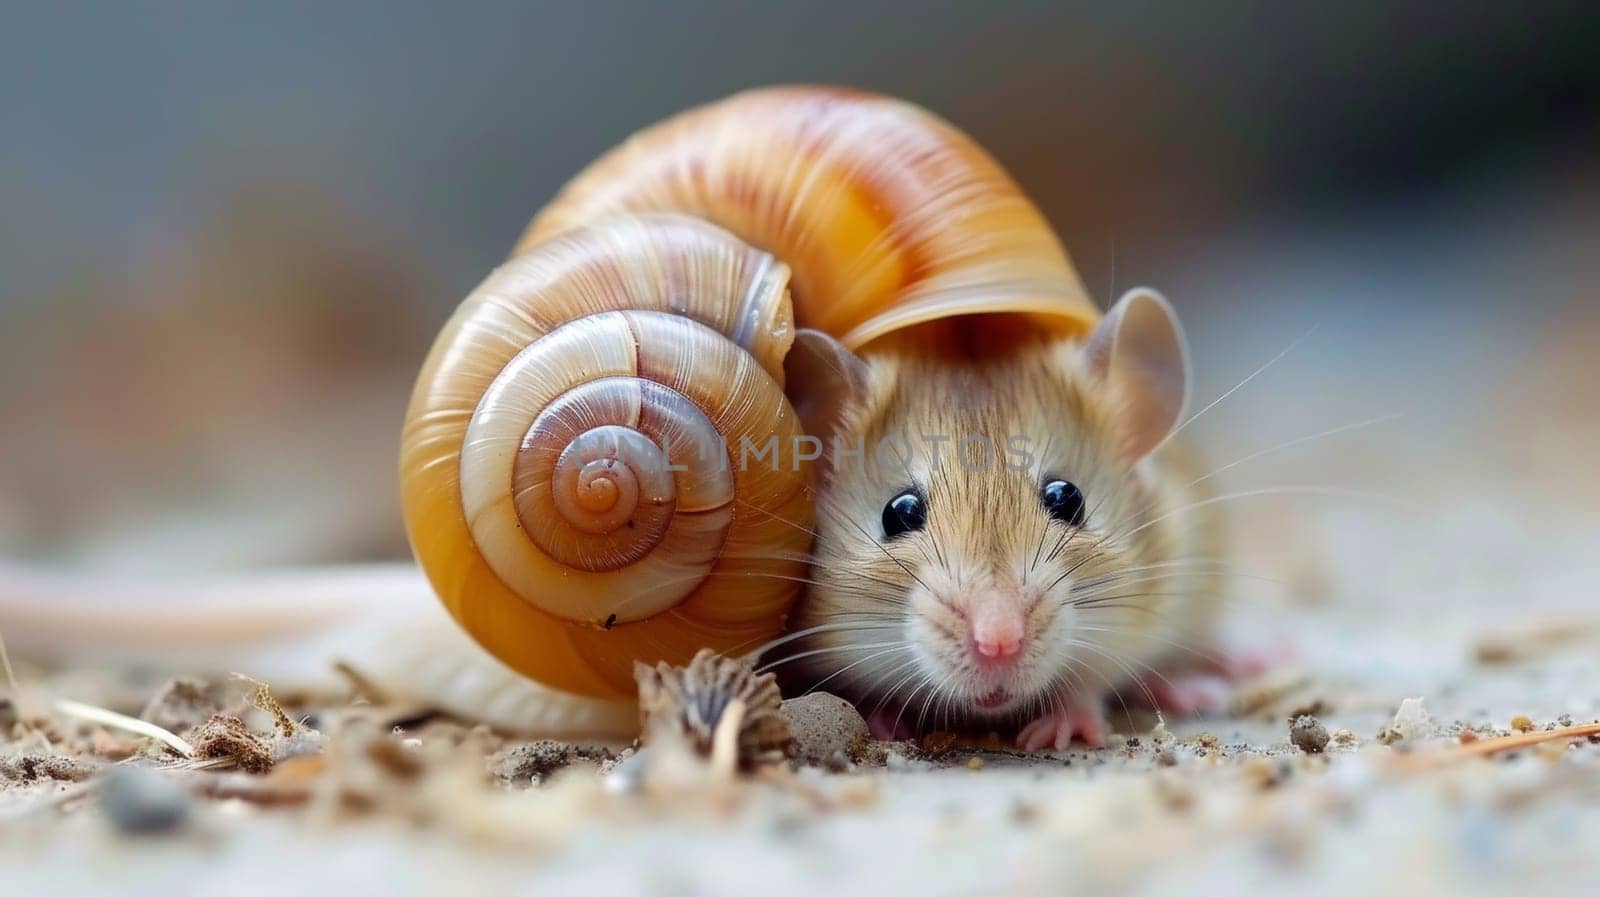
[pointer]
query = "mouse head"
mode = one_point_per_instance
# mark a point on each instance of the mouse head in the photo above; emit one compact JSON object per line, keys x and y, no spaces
{"x":977,"y":520}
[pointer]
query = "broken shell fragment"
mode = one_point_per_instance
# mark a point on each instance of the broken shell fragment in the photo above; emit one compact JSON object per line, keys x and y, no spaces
{"x":718,"y":707}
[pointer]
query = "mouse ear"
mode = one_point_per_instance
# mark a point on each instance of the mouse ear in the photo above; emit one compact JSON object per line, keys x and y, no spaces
{"x":1138,"y":352}
{"x":822,"y":379}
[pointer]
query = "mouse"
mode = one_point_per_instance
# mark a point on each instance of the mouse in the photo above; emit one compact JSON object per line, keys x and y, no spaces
{"x":1009,"y":539}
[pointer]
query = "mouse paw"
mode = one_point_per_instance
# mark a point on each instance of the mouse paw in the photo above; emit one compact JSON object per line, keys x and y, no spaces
{"x":1056,"y":729}
{"x":1239,"y":664}
{"x":1184,"y":694}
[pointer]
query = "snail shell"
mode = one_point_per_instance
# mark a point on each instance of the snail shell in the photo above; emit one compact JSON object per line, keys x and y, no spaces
{"x":572,"y":469}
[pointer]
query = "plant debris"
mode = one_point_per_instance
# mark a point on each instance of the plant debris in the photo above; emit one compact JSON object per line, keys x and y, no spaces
{"x":224,"y":736}
{"x":116,"y":720}
{"x":263,"y":700}
{"x":1270,"y":694}
{"x":717,"y":706}
{"x":1532,"y":641}
{"x":1484,"y":747}
{"x":30,"y":768}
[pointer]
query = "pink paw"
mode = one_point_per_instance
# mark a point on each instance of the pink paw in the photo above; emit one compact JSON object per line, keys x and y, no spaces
{"x":1205,"y":687}
{"x":1184,"y":694}
{"x":887,"y":725}
{"x":1241,"y":664}
{"x":1056,"y":729}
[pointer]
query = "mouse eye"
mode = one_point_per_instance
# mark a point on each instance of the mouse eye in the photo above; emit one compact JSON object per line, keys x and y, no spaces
{"x":904,"y":513}
{"x":1063,"y":501}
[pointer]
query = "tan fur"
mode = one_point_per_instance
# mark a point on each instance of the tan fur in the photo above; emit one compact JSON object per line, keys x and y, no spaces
{"x":907,"y":600}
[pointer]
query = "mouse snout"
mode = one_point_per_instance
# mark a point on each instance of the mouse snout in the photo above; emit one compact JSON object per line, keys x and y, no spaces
{"x":997,"y":631}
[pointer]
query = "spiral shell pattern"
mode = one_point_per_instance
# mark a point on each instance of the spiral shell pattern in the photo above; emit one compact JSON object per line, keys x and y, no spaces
{"x":568,"y":467}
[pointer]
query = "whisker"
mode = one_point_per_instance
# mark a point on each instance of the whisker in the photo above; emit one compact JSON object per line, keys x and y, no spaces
{"x":1107,"y":600}
{"x":778,"y":517}
{"x":1282,"y":446}
{"x":1323,"y":491}
{"x":764,"y":668}
{"x":886,"y":552}
{"x":842,"y":626}
{"x":1044,"y":531}
{"x":846,"y":669}
{"x":926,"y":681}
{"x":912,"y":663}
{"x":1238,"y":386}
{"x":1110,"y":687}
{"x":932,"y":540}
{"x":1094,"y":587}
{"x":1133,"y":676}
{"x":1205,"y":655}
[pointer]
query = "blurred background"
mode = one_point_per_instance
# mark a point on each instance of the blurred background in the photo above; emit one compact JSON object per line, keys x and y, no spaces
{"x":230,"y":233}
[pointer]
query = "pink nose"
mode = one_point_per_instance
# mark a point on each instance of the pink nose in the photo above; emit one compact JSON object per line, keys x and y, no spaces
{"x":998,"y":649}
{"x":997,"y":632}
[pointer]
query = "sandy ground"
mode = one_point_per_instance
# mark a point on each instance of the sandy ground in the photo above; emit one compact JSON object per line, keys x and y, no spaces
{"x":1223,"y":804}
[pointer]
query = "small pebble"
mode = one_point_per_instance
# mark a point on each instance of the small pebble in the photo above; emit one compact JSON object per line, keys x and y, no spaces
{"x":142,"y":801}
{"x":1411,"y":723}
{"x":823,"y":726}
{"x":1308,"y":734}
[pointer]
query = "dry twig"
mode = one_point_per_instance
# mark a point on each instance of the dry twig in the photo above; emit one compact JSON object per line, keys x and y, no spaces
{"x":126,"y":723}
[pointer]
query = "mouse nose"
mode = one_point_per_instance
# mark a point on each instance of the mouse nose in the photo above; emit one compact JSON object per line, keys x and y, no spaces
{"x":997,"y":649}
{"x":997,"y":633}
